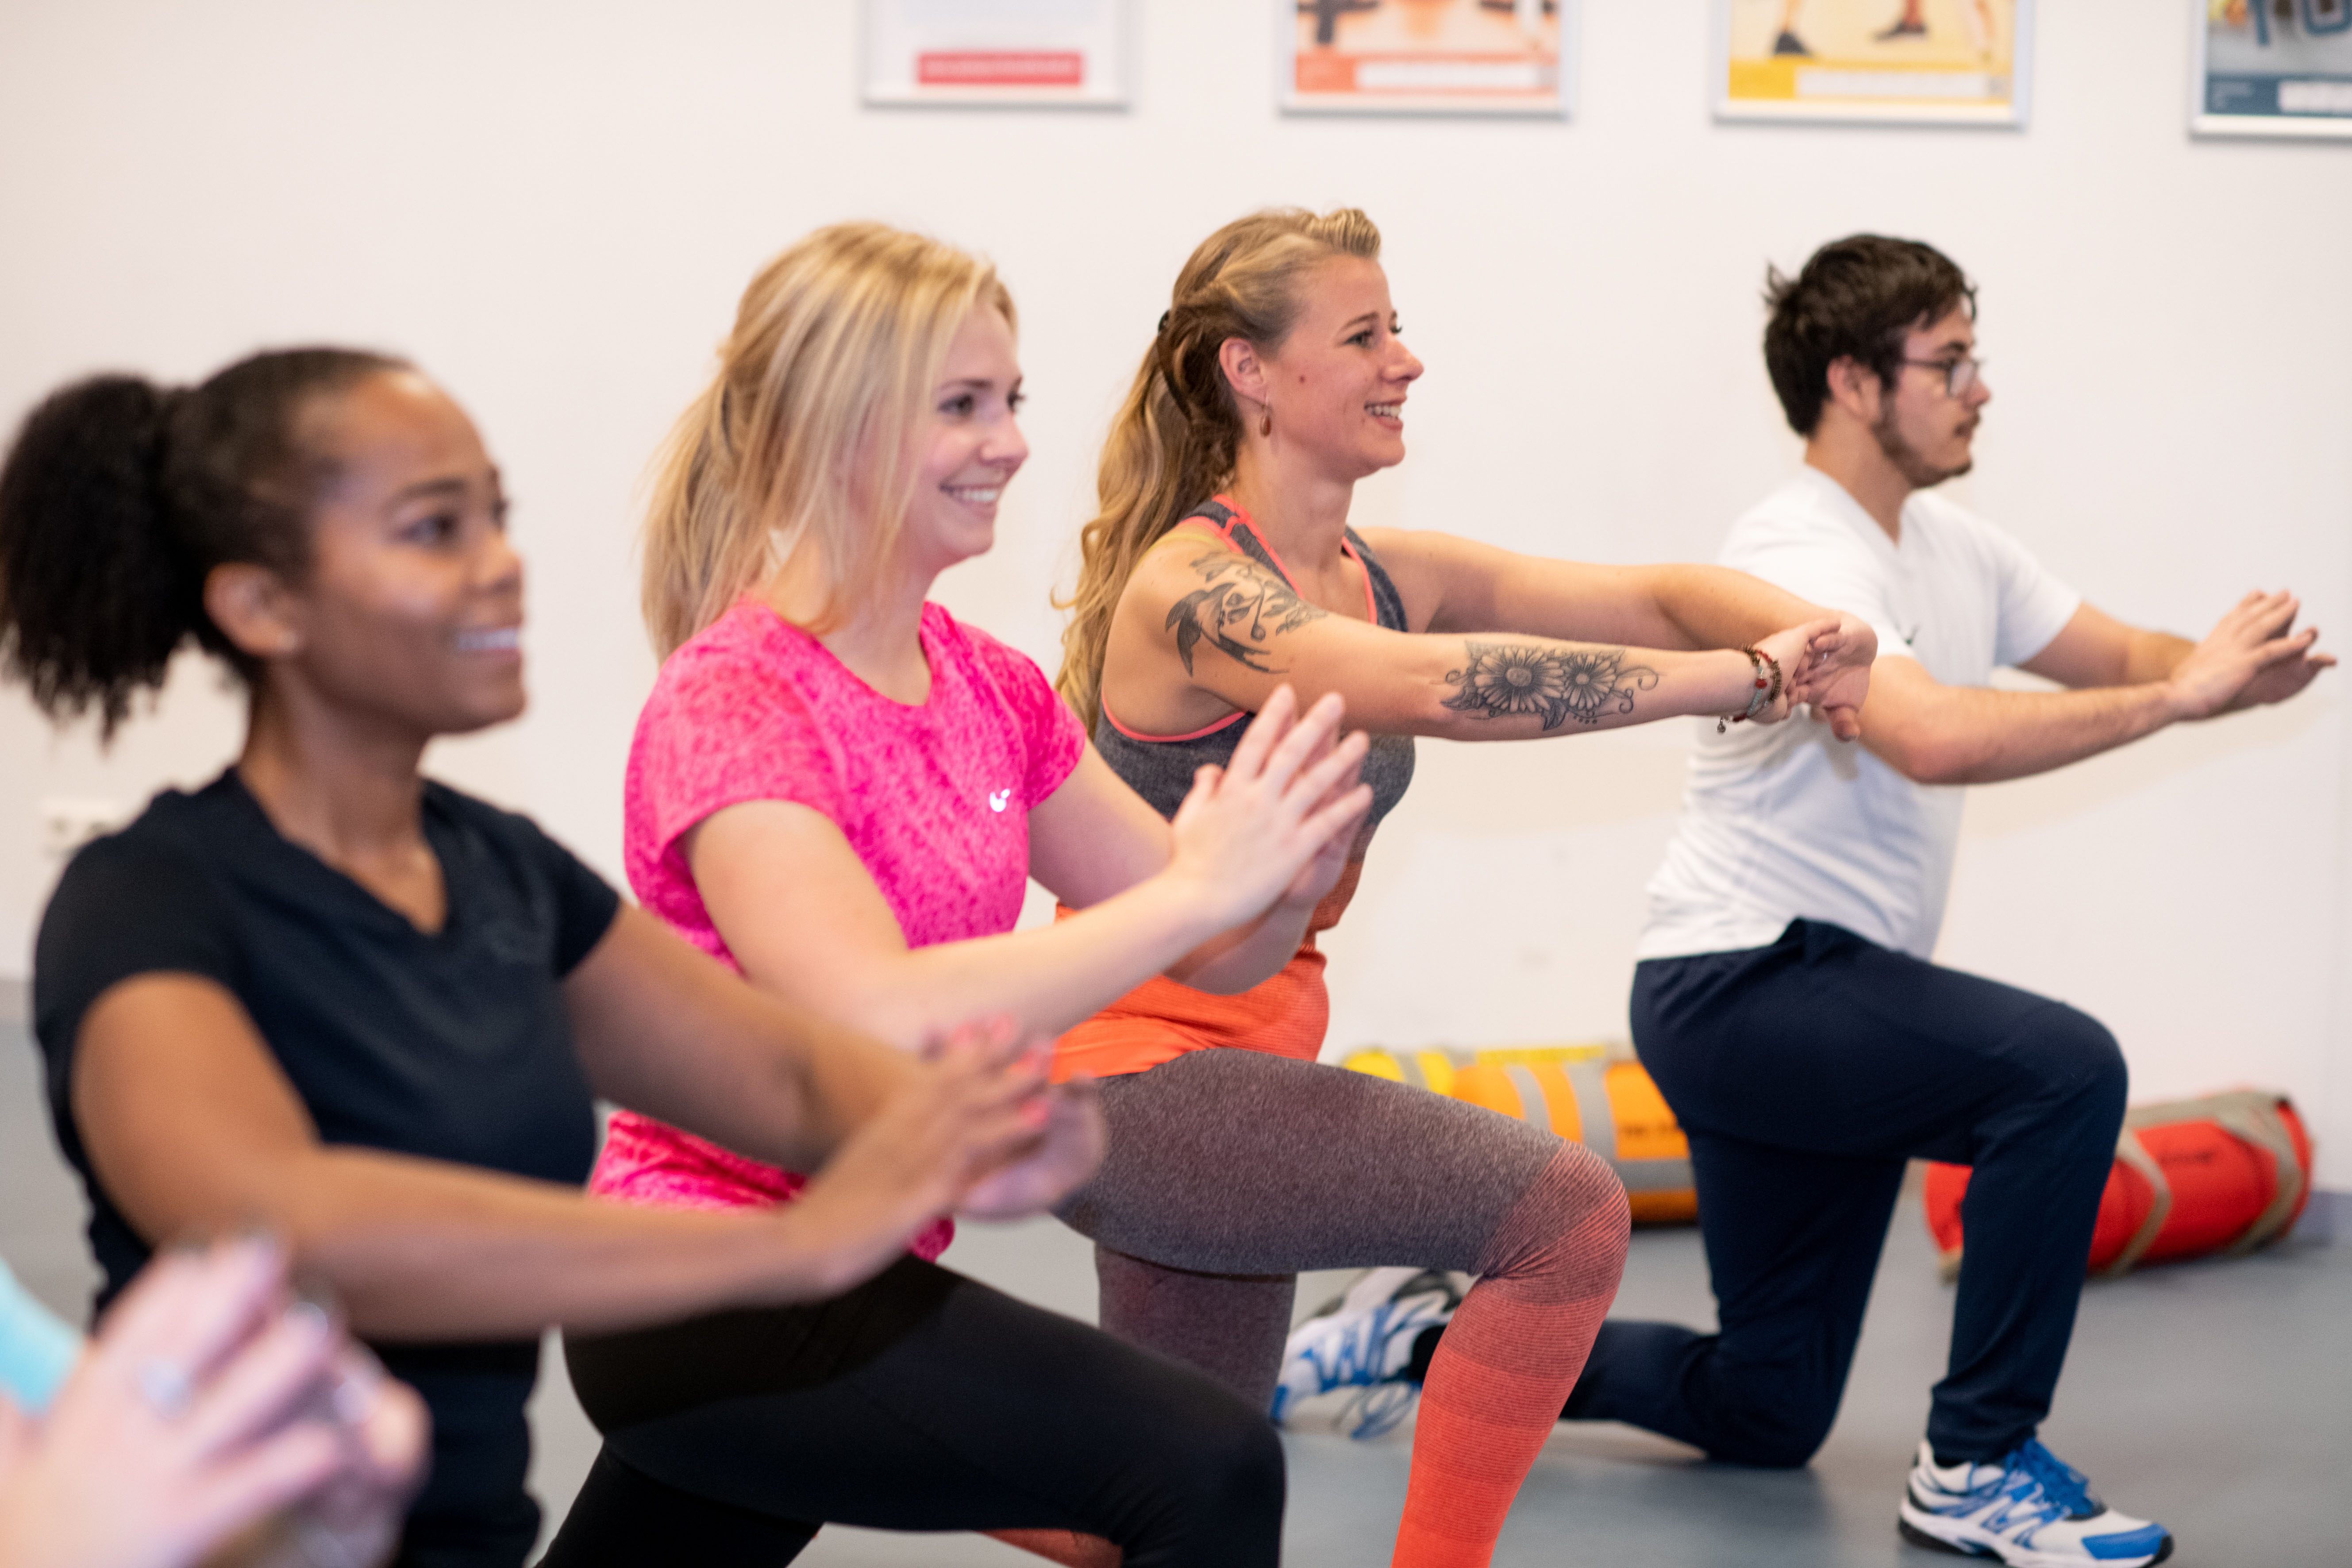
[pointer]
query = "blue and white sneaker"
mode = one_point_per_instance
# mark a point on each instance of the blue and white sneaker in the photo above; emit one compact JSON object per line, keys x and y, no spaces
{"x":1364,"y":1339}
{"x":2029,"y":1510}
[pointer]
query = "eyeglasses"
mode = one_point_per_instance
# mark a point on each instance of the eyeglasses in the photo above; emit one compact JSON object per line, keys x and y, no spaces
{"x":1959,"y":374}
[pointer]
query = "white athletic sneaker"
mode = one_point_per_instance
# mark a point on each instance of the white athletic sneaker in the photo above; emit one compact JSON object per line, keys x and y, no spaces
{"x":2029,"y":1510}
{"x":1364,"y":1339}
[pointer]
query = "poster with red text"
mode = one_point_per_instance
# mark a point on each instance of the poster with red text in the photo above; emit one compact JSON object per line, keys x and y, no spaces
{"x":1448,"y":56}
{"x":997,"y":51}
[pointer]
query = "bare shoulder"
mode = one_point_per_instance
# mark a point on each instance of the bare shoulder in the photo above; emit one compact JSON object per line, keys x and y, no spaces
{"x":1173,"y":567}
{"x":1409,"y":546}
{"x":1424,"y":564}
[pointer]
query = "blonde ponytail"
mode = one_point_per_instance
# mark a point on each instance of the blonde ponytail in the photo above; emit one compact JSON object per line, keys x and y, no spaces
{"x":1174,"y":439}
{"x":805,"y":439}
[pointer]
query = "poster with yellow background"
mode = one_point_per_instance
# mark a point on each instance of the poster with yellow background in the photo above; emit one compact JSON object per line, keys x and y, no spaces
{"x":1961,"y":61}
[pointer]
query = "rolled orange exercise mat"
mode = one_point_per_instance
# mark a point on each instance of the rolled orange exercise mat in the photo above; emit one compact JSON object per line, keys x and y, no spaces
{"x":2228,"y":1172}
{"x":1587,"y":1094}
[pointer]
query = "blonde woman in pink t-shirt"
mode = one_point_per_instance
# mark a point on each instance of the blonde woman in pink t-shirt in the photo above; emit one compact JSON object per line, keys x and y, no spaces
{"x":842,"y":791}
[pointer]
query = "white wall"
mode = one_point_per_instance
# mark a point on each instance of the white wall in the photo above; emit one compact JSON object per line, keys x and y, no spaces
{"x":553,"y":207}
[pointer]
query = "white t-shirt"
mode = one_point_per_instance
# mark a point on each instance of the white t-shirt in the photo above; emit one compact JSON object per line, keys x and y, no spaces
{"x":1785,"y":821}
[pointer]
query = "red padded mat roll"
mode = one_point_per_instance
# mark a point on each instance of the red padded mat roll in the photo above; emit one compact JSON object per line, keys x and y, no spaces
{"x":2228,"y":1172}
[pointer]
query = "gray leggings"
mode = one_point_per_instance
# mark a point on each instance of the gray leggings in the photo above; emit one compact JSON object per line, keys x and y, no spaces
{"x":1229,"y":1171}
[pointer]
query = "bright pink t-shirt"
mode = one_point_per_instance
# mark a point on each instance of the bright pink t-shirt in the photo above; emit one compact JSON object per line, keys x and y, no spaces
{"x":934,"y":799}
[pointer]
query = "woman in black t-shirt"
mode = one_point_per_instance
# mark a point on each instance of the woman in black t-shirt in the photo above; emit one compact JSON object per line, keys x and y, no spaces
{"x":326,"y":994}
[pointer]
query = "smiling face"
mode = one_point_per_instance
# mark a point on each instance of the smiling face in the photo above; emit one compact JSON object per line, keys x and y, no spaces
{"x":970,"y":446}
{"x":410,"y":612}
{"x":1923,"y":429}
{"x":1335,"y":387}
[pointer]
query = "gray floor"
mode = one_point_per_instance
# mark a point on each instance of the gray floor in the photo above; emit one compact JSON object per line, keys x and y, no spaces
{"x":2216,"y":1397}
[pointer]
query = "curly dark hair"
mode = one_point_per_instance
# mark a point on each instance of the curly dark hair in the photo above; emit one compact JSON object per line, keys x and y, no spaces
{"x":119,"y":497}
{"x":1855,"y":298}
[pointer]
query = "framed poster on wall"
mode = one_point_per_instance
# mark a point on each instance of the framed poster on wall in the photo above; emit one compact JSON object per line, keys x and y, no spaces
{"x":2271,"y":68}
{"x":997,"y":51}
{"x":1953,"y":62}
{"x":1442,"y":56}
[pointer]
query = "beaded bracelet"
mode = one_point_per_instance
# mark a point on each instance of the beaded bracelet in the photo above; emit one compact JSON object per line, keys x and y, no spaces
{"x":1767,"y":693}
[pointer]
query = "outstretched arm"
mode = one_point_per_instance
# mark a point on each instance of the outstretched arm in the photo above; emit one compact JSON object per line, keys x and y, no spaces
{"x":804,"y":919}
{"x":662,"y":1029}
{"x":1202,"y":631}
{"x":1096,"y":837}
{"x":1455,"y":584}
{"x":193,"y":1130}
{"x":2129,"y":683}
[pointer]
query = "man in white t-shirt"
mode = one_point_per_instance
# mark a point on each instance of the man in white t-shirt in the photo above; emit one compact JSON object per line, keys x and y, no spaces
{"x":1785,"y":1001}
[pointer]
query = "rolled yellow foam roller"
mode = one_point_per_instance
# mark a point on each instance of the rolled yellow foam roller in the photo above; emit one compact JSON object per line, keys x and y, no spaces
{"x":1597,"y":1095}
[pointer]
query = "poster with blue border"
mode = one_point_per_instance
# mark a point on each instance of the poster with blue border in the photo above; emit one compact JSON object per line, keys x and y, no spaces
{"x":2272,"y":67}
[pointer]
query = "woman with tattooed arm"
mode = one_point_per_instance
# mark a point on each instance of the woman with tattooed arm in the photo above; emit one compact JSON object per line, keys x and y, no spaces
{"x":1222,"y":566}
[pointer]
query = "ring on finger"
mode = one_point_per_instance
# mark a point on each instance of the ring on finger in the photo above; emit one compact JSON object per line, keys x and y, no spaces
{"x":355,"y":1396}
{"x":165,"y":1386}
{"x":323,"y":1547}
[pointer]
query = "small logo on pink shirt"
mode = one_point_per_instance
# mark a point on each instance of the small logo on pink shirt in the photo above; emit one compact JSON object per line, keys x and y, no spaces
{"x":997,"y":797}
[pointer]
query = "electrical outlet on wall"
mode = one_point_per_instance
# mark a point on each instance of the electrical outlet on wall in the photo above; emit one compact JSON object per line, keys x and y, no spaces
{"x":68,"y":825}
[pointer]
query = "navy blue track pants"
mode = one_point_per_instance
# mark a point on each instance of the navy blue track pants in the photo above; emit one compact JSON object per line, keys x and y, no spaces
{"x":1805,"y":1074}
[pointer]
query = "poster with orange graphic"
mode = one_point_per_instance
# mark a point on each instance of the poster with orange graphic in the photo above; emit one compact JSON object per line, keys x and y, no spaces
{"x":1022,"y":52}
{"x":1956,"y":62}
{"x":1447,"y":57}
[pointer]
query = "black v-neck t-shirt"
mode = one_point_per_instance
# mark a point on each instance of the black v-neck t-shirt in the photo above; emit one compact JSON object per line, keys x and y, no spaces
{"x":452,"y":1045}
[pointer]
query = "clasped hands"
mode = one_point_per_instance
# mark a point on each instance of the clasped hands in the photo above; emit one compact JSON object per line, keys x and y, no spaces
{"x":1825,"y":664}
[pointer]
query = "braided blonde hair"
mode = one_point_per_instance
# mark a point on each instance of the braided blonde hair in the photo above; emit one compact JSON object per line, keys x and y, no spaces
{"x":1175,"y":438}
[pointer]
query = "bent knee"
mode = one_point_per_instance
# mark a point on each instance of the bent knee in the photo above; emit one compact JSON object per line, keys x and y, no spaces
{"x":1780,"y":1439}
{"x":1572,"y":1218}
{"x":2078,"y":1060}
{"x":1789,"y":1450}
{"x":1587,"y":1182}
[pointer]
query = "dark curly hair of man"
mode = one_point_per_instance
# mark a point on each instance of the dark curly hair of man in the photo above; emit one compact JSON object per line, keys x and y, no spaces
{"x":1855,"y":298}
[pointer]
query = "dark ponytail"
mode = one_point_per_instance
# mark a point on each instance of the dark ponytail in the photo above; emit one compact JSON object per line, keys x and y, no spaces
{"x":118,"y":499}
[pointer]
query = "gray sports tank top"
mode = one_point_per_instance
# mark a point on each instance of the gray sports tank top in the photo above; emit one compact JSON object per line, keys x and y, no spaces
{"x":1160,"y":767}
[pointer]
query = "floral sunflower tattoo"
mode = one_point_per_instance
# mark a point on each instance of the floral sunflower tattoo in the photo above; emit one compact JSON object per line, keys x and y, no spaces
{"x":1507,"y":680}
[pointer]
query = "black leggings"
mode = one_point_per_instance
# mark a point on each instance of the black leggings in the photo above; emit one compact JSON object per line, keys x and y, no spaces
{"x":918,"y":1401}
